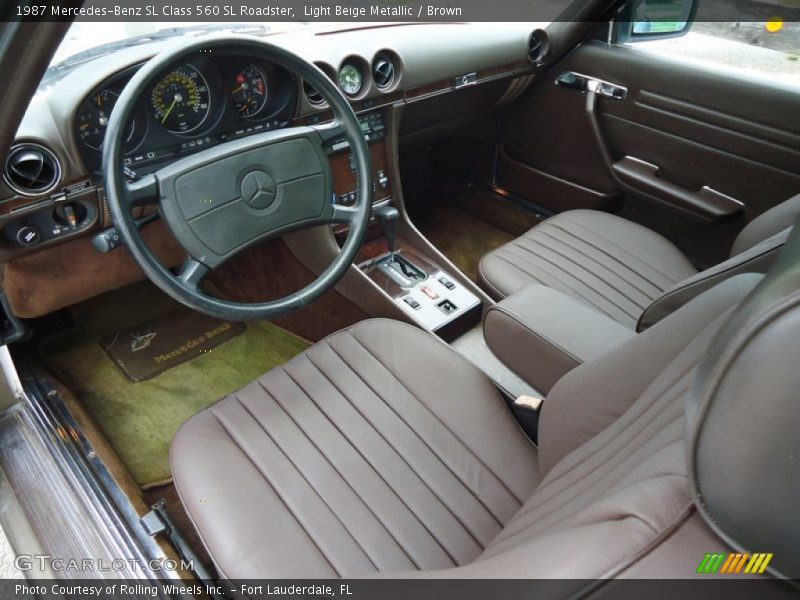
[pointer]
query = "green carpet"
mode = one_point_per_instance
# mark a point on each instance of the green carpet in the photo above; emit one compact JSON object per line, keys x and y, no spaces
{"x":140,"y":419}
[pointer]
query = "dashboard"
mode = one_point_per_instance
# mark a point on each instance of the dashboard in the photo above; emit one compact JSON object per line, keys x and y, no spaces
{"x":402,"y":81}
{"x":193,"y":105}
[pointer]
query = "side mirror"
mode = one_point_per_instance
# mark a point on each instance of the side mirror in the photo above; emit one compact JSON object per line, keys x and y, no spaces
{"x":642,"y":20}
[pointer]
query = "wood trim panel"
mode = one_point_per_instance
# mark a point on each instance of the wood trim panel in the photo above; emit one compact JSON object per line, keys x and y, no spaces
{"x":447,"y":85}
{"x":344,"y":180}
{"x":14,"y":202}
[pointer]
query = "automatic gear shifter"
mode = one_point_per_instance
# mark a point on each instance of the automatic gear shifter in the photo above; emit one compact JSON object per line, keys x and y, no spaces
{"x":395,"y":264}
{"x":387,"y":216}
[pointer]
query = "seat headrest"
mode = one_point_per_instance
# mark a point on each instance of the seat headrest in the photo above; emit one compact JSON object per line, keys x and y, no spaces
{"x":743,"y":421}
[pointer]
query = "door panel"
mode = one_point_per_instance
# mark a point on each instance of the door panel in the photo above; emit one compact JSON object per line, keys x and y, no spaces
{"x":699,"y":127}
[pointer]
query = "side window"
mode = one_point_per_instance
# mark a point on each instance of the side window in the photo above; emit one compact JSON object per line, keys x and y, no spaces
{"x":767,"y":48}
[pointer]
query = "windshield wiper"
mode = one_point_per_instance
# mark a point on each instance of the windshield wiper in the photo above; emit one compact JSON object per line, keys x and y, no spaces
{"x":59,"y":70}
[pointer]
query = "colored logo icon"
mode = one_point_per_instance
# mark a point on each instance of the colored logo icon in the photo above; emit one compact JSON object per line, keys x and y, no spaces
{"x":734,"y":562}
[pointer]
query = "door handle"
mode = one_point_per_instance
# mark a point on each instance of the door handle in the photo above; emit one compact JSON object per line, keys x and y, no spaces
{"x":585,"y":84}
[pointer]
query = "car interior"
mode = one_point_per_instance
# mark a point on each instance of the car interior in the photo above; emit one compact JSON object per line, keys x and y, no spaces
{"x":431,"y":300}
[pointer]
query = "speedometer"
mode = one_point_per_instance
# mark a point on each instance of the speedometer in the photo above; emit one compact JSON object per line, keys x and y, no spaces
{"x":181,"y":100}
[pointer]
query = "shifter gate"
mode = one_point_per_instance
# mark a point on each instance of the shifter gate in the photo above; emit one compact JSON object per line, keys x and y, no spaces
{"x":401,"y":270}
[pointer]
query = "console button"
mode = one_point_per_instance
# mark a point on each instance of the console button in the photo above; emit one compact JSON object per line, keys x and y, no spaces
{"x":411,"y":302}
{"x":447,"y":283}
{"x":447,"y":307}
{"x":382,"y":180}
{"x":429,"y":293}
{"x":28,"y":235}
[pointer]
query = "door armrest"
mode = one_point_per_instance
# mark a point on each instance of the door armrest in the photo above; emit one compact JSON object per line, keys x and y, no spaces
{"x":706,"y":203}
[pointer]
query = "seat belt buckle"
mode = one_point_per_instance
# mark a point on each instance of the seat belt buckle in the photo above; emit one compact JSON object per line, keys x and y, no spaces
{"x":532,"y":403}
{"x":526,"y":412}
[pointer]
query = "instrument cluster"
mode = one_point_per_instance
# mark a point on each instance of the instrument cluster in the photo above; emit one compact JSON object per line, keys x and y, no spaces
{"x":204,"y":101}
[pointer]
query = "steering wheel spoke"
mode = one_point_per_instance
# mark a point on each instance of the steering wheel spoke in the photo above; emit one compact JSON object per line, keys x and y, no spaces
{"x":142,"y":192}
{"x":344,"y":214}
{"x":330,"y":131}
{"x":192,"y":272}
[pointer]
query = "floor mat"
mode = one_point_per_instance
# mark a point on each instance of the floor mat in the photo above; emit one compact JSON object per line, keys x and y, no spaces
{"x":461,"y":237}
{"x":143,"y":351}
{"x":140,"y":419}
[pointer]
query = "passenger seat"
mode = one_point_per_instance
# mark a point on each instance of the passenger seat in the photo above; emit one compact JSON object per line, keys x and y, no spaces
{"x":622,"y":269}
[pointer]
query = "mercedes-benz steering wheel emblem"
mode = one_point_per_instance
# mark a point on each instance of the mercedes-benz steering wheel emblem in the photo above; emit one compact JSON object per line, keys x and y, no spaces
{"x":258,"y":189}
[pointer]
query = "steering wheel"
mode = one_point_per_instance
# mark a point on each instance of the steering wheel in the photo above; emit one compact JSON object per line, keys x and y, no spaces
{"x":224,"y":199}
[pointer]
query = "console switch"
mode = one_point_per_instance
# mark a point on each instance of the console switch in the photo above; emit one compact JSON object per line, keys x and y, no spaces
{"x":411,"y":302}
{"x":382,"y":180}
{"x":447,"y":283}
{"x":429,"y":293}
{"x":447,"y":307}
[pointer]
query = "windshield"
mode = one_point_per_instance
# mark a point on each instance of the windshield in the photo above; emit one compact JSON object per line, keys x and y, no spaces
{"x":83,"y":35}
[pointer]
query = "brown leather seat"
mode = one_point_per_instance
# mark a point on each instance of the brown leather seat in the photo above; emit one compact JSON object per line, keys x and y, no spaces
{"x":622,"y":269}
{"x":380,"y":450}
{"x":377,"y":449}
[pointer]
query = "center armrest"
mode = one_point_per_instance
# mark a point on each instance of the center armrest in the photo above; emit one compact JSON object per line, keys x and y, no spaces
{"x":541,"y":334}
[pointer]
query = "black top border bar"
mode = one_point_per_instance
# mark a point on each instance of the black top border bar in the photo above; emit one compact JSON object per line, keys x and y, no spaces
{"x":369,"y":11}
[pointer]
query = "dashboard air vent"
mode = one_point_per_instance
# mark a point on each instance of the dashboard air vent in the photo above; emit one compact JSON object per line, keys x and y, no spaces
{"x":312,"y":95}
{"x":382,"y":72}
{"x":31,"y":170}
{"x":538,"y":47}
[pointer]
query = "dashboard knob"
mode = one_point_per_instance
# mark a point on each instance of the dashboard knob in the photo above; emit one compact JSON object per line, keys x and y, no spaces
{"x":28,"y":235}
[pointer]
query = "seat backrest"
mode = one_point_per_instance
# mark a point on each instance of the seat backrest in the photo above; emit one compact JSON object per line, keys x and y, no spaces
{"x":753,"y":251}
{"x":611,"y":449}
{"x":757,"y":259}
{"x":777,"y":219}
{"x":743,"y":421}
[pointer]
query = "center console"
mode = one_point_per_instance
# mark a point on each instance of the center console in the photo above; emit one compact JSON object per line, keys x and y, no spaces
{"x":399,"y":276}
{"x":428,"y":295}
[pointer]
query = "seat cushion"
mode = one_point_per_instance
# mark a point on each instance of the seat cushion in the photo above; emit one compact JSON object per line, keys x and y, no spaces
{"x":610,"y":263}
{"x":377,"y":449}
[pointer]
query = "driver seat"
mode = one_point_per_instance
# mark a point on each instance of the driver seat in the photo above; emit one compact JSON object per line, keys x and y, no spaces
{"x":380,"y":451}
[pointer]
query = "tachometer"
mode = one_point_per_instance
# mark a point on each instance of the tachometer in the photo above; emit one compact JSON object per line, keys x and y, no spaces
{"x":350,"y":79}
{"x":249,"y":91}
{"x":181,"y":101}
{"x":93,"y":119}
